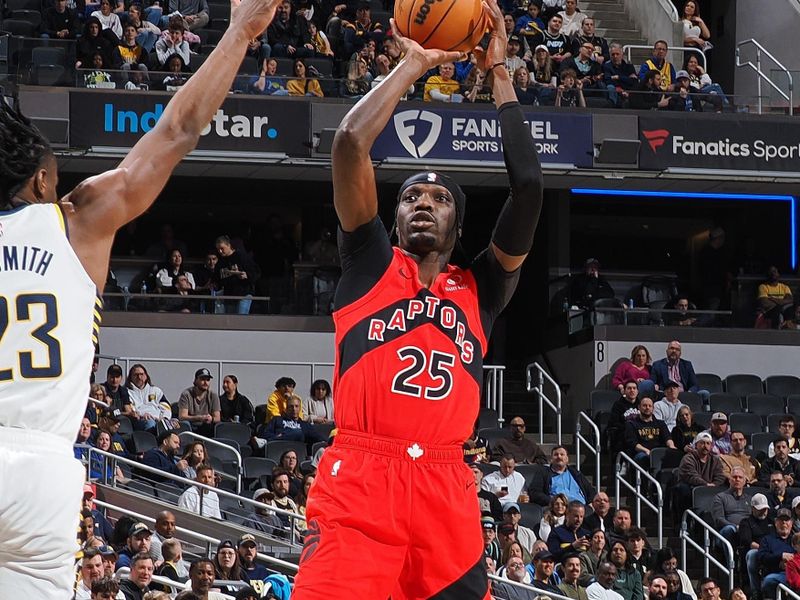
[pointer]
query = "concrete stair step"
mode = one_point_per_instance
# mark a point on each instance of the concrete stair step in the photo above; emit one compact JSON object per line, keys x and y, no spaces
{"x":622,"y":22}
{"x":615,"y":33}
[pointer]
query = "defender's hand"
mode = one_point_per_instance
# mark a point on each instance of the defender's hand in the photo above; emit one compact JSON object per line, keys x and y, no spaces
{"x":253,"y":16}
{"x":422,"y":58}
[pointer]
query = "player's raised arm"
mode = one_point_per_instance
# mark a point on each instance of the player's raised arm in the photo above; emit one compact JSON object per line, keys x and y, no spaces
{"x":104,"y":203}
{"x":513,"y":233}
{"x":354,"y":193}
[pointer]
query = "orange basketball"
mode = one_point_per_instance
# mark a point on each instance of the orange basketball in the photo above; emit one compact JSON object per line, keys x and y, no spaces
{"x":442,"y":24}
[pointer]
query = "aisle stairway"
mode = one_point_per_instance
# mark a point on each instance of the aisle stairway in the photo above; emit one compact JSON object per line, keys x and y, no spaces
{"x":614,"y":24}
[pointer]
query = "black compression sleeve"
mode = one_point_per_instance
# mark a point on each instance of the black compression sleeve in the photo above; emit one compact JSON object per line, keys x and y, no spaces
{"x":513,"y":232}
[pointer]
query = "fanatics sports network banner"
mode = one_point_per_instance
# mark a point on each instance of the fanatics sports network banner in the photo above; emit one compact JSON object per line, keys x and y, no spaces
{"x":119,"y":119}
{"x":447,"y":134}
{"x":756,"y":143}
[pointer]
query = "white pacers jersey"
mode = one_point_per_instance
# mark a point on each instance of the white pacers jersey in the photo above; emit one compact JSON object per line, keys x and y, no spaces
{"x":49,"y":321}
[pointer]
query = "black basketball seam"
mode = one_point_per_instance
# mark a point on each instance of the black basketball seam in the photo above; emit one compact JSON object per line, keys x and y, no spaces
{"x":444,"y":16}
{"x":469,"y":35}
{"x":410,"y":14}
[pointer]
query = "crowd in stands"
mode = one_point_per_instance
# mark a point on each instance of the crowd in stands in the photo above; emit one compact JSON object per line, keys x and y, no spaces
{"x":341,"y":49}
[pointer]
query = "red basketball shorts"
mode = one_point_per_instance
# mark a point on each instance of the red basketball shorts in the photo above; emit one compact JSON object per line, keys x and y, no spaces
{"x":392,"y":518}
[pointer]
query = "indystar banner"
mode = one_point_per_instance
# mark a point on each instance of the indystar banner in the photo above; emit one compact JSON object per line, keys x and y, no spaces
{"x":119,"y":119}
{"x":434,"y":133}
{"x":736,"y":142}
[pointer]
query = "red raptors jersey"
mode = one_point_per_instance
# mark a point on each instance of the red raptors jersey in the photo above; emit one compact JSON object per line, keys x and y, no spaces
{"x":409,"y":360}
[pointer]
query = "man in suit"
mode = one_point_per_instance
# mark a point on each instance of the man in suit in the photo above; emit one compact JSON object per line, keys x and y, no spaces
{"x":674,"y":368}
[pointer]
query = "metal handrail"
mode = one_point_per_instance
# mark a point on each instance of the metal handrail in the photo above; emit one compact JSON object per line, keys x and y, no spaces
{"x":670,"y":9}
{"x":207,"y":539}
{"x":593,"y":448}
{"x":637,"y":491}
{"x":147,"y":469}
{"x":706,"y":547}
{"x":218,"y":444}
{"x":541,"y":376}
{"x":763,"y":76}
{"x":175,"y":586}
{"x":529,"y":587}
{"x":700,"y":56}
{"x":782,"y":588}
{"x":494,"y":378}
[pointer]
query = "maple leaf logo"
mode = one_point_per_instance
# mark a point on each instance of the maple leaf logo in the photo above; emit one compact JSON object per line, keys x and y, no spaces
{"x":415,"y":451}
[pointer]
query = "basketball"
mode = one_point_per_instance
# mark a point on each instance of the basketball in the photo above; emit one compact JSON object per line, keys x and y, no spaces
{"x":443,"y":24}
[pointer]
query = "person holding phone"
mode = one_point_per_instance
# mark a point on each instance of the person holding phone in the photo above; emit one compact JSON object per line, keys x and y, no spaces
{"x":507,"y":484}
{"x":571,"y":536}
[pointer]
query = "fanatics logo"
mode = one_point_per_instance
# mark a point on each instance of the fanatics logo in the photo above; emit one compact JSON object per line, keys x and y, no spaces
{"x":656,"y":138}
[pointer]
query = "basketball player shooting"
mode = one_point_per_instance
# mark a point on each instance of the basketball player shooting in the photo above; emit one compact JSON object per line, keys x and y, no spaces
{"x":55,"y":258}
{"x":411,"y":331}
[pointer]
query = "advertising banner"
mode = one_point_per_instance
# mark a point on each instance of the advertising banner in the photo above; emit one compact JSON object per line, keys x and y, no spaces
{"x":435,"y":133}
{"x":724,"y":142}
{"x":241,"y":124}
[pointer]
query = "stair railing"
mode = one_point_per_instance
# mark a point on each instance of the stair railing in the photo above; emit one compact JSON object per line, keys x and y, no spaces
{"x":783,"y":589}
{"x":493,"y":378}
{"x":636,"y":489}
{"x":708,"y":531}
{"x":535,"y":376}
{"x":700,"y":56}
{"x":592,"y":447}
{"x":761,"y":76}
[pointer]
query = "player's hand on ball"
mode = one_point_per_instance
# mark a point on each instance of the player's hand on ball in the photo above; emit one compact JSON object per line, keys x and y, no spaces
{"x":496,"y":50}
{"x":427,"y":59}
{"x":253,"y":16}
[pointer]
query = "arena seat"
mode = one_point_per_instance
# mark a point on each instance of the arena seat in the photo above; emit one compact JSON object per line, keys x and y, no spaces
{"x":702,"y":498}
{"x":601,"y":401}
{"x":487,"y":418}
{"x":239,"y":432}
{"x":692,"y":400}
{"x":727,"y":403}
{"x":19,"y":27}
{"x":255,"y":466}
{"x":275,"y":448}
{"x":168,"y":491}
{"x":527,"y":471}
{"x":747,"y":423}
{"x":765,"y":404}
{"x":219,"y":15}
{"x":793,"y":404}
{"x":324,"y":430}
{"x":710,"y":382}
{"x":141,"y":487}
{"x":487,"y":468}
{"x":782,"y":385}
{"x":531,"y":514}
{"x":760,"y":442}
{"x":125,"y":426}
{"x":141,"y":441}
{"x":703,"y":419}
{"x":742,"y":385}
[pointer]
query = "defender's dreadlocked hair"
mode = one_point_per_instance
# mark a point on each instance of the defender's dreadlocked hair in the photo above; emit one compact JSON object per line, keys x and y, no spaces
{"x":22,"y":150}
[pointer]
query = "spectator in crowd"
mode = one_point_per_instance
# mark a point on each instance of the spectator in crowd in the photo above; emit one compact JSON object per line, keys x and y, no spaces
{"x":138,"y":582}
{"x":182,"y":288}
{"x":779,"y":495}
{"x":236,"y":272}
{"x":636,"y":369}
{"x":226,"y":565}
{"x":173,"y":268}
{"x":253,"y":573}
{"x":201,"y":579}
{"x":162,"y":457}
{"x":684,"y":99}
{"x":544,"y":566}
{"x":513,"y":570}
{"x":171,"y":564}
{"x":623,"y":410}
{"x":505,"y":483}
{"x":91,"y":570}
{"x":524,"y":87}
{"x":524,"y":450}
{"x":774,"y":552}
{"x":177,"y":75}
{"x":318,"y":407}
{"x":194,"y":12}
{"x":138,"y":541}
{"x":571,"y":18}
{"x":173,"y":43}
{"x":100,"y":467}
{"x":280,"y":396}
{"x":603,"y":588}
{"x":750,"y":533}
{"x":589,"y":286}
{"x":658,"y":62}
{"x":199,"y":404}
{"x":92,"y":42}
{"x":732,"y":506}
{"x":554,"y":515}
{"x":289,"y":427}
{"x":659,"y":588}
{"x":281,"y":487}
{"x":559,"y":477}
{"x":106,"y":588}
{"x":269,"y":84}
{"x":194,"y":454}
{"x":322,"y":46}
{"x":780,"y":462}
{"x":491,"y":547}
{"x":109,"y":21}
{"x":147,"y":33}
{"x":362,"y":29}
{"x":619,"y":76}
{"x":357,"y":82}
{"x":571,"y":536}
{"x":83,"y":439}
{"x":786,"y":429}
{"x":641,"y":557}
{"x":793,"y":565}
{"x":148,"y":404}
{"x":666,"y":561}
{"x":701,"y":83}
{"x":602,"y":516}
{"x":570,"y":585}
{"x":476,"y":448}
{"x":774,"y":297}
{"x":234,"y":406}
{"x":531,"y":22}
{"x":684,"y":318}
{"x":262,"y":518}
{"x":644,"y":433}
{"x":116,"y":393}
{"x":165,"y":531}
{"x":511,"y":547}
{"x":102,"y":528}
{"x":674,"y":368}
{"x":556,"y":42}
{"x":288,"y":34}
{"x":94,"y":409}
{"x":649,"y":95}
{"x":289,"y":463}
{"x":739,"y":458}
{"x":667,"y":408}
{"x":514,"y":58}
{"x":201,"y":501}
{"x":695,"y":30}
{"x":592,"y":557}
{"x":109,"y":422}
{"x":700,"y":467}
{"x":525,"y":536}
{"x":59,"y":22}
{"x":543,"y":75}
{"x":588,"y":70}
{"x":487,"y":501}
{"x":601,"y":51}
{"x":685,"y":430}
{"x":629,"y":580}
{"x":719,"y":433}
{"x":443,"y":87}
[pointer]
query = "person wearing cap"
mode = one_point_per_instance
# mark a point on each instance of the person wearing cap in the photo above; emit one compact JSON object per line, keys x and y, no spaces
{"x":199,"y":404}
{"x":513,"y":59}
{"x":619,"y":76}
{"x":544,"y":563}
{"x":491,"y":547}
{"x":700,"y":467}
{"x":163,"y":457}
{"x":731,"y":507}
{"x":109,"y":422}
{"x":684,"y":100}
{"x":116,"y":393}
{"x":138,"y":541}
{"x":102,"y":528}
{"x":774,"y":551}
{"x":786,"y":428}
{"x":782,"y":463}
{"x":559,"y":477}
{"x":361,"y":29}
{"x":589,"y":286}
{"x":261,"y":518}
{"x":226,"y":565}
{"x":254,"y":573}
{"x":751,"y":531}
{"x":524,"y":535}
{"x":793,"y":566}
{"x":674,"y":368}
{"x":571,"y":536}
{"x":476,"y":448}
{"x":487,"y":501}
{"x":667,"y":408}
{"x":603,"y":588}
{"x":739,"y":458}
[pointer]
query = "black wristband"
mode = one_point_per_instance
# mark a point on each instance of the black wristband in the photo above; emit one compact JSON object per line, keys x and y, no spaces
{"x":495,"y":65}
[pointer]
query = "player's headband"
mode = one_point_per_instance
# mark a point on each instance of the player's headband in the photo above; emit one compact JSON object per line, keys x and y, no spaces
{"x":444,"y":181}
